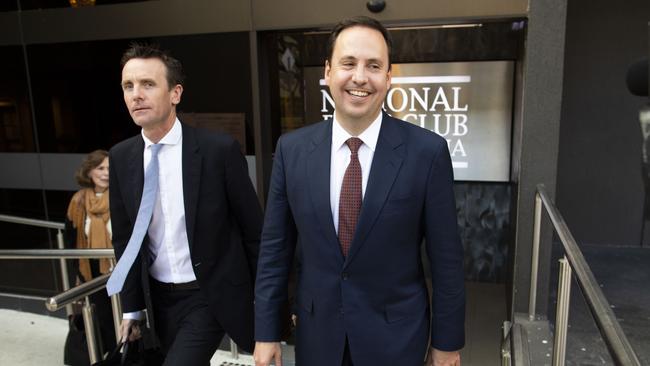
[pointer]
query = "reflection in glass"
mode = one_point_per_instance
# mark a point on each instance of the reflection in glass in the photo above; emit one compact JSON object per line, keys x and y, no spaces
{"x":291,"y":83}
{"x":16,"y":130}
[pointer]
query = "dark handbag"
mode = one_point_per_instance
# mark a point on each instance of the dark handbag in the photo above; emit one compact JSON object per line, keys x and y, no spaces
{"x":134,"y":354}
{"x":118,"y":357}
{"x":75,"y":351}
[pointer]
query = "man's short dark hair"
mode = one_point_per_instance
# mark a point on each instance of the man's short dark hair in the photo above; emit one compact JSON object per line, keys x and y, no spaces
{"x":359,"y":21}
{"x":175,"y":74}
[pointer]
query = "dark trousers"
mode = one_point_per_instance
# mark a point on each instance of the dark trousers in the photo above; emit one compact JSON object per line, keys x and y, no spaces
{"x":347,"y":359}
{"x":188,"y":332}
{"x":103,"y":311}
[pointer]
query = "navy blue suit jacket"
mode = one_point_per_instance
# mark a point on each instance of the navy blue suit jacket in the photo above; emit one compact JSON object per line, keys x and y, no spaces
{"x":377,"y":295}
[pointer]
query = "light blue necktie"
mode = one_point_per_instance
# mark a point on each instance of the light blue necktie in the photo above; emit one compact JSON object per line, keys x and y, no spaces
{"x":149,"y":192}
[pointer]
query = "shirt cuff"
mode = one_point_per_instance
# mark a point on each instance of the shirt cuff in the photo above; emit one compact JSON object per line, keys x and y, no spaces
{"x":136,"y":315}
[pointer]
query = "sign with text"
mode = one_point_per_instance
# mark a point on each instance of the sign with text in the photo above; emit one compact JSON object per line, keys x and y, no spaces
{"x":467,"y":103}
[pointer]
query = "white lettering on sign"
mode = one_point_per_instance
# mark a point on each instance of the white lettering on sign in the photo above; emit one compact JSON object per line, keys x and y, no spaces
{"x":429,"y":105}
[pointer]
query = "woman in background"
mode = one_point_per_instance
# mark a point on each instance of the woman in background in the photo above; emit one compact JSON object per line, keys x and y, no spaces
{"x":88,"y":225}
{"x":89,"y":213}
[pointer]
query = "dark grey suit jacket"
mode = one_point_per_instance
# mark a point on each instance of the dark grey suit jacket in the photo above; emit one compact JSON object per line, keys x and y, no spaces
{"x":223,"y":220}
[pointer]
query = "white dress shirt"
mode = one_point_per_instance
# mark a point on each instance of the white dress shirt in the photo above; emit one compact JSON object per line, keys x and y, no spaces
{"x":341,"y":159}
{"x":168,"y":245}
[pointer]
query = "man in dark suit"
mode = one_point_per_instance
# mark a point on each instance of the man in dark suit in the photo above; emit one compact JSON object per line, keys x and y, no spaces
{"x":197,"y":261}
{"x":359,"y":193}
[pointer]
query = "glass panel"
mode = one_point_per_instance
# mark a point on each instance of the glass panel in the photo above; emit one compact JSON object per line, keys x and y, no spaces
{"x":36,"y":276}
{"x":46,"y":4}
{"x":8,"y":5}
{"x":16,"y":130}
{"x":78,"y":101}
{"x":297,"y":51}
{"x":483,"y":209}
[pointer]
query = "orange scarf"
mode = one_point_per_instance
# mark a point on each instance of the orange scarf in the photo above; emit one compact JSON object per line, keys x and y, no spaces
{"x":84,"y":204}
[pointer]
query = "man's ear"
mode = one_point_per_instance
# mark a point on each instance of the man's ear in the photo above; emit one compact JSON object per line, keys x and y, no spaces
{"x":177,"y":91}
{"x":389,"y":77}
{"x":326,"y":74}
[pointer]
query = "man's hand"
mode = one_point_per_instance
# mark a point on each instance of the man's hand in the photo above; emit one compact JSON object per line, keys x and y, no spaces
{"x":265,"y":352}
{"x":437,"y":357}
{"x":130,"y":330}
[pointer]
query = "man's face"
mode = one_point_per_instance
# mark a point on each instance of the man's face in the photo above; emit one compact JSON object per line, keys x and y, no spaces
{"x":147,"y":95}
{"x":358,"y":75}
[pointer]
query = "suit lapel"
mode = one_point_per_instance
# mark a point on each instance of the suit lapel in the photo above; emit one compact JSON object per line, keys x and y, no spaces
{"x":136,"y":176}
{"x":318,"y":176}
{"x":386,"y":163}
{"x":191,"y":180}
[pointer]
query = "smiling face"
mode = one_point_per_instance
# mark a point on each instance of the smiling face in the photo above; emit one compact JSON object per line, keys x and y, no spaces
{"x":99,"y":176}
{"x":150,"y":100}
{"x":358,"y":76}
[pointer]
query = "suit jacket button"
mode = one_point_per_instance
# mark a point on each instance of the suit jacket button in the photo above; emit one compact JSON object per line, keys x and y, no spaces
{"x":345,"y":276}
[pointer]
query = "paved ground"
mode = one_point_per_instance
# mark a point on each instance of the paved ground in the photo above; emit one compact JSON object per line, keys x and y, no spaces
{"x":624,"y":276}
{"x":28,"y":339}
{"x":33,"y":339}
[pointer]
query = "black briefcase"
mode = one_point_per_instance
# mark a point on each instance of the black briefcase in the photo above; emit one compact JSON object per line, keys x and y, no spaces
{"x":118,"y":357}
{"x":133,"y":354}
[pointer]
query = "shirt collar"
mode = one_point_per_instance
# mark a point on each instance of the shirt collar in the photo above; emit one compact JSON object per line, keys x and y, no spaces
{"x":172,"y":137}
{"x":369,"y":136}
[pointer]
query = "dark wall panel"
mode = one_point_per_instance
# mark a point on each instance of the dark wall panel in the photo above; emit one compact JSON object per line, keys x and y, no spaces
{"x":600,"y":188}
{"x":483,"y":211}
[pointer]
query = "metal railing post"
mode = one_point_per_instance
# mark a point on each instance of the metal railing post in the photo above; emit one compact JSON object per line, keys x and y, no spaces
{"x":562,"y":313}
{"x":506,"y":355}
{"x":116,"y":305}
{"x":64,"y":269}
{"x":534,"y":265}
{"x":93,"y":338}
{"x":234,"y":352}
{"x":610,"y":329}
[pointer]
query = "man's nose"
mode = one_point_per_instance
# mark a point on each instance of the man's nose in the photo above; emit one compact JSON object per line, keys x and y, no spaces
{"x":359,"y":75}
{"x":137,"y":93}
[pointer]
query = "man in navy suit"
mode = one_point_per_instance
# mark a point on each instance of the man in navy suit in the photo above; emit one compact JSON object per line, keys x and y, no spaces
{"x":359,"y":193}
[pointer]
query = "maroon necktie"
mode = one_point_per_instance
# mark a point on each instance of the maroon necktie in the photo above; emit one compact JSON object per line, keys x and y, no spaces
{"x":350,"y":199}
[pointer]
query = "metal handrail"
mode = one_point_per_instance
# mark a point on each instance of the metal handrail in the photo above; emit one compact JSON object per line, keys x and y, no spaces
{"x":77,"y":293}
{"x":59,"y":242}
{"x":23,"y":296}
{"x":32,"y":222}
{"x":56,"y":253}
{"x":610,"y":329}
{"x":66,"y":298}
{"x":93,"y":335}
